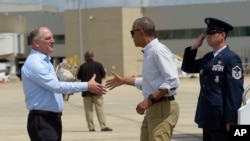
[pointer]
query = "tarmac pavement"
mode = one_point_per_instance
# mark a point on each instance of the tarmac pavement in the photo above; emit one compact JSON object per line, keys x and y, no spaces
{"x":121,"y":116}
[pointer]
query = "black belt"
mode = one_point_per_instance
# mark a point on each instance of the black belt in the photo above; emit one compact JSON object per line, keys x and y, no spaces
{"x":40,"y":112}
{"x":169,"y":98}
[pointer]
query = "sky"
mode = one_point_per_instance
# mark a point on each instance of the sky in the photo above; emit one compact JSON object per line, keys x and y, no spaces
{"x":73,"y":4}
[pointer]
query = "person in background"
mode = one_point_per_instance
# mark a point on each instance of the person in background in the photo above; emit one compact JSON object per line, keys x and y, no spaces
{"x":90,"y":99}
{"x":221,"y":81}
{"x":43,"y":91}
{"x":159,"y":83}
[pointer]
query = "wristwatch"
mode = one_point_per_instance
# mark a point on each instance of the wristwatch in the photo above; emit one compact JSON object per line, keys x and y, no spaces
{"x":151,"y":98}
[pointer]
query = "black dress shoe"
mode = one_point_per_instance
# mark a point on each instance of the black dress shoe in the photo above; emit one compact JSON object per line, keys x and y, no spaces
{"x":106,"y":129}
{"x":91,"y":130}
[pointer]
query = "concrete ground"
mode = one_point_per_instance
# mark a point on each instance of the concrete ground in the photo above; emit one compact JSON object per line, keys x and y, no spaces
{"x":120,"y":112}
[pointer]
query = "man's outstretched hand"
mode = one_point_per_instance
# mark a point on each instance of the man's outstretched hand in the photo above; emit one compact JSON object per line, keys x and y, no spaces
{"x":114,"y":82}
{"x":95,"y":87}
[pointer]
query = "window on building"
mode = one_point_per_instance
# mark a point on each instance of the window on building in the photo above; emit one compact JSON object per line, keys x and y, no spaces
{"x":59,"y":39}
{"x":194,"y":33}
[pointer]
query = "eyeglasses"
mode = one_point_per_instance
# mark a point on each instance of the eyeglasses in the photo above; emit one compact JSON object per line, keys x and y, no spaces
{"x":212,"y":32}
{"x":133,"y":31}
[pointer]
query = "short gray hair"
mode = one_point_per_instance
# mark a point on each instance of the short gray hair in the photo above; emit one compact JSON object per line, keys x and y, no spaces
{"x":34,"y":34}
{"x":146,"y":24}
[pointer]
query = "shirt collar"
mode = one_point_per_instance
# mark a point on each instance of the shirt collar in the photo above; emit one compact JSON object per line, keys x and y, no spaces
{"x":149,"y":45}
{"x":41,"y":55}
{"x":218,"y":51}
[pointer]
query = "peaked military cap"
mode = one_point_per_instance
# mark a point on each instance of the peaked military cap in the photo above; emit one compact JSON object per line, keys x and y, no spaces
{"x":216,"y":24}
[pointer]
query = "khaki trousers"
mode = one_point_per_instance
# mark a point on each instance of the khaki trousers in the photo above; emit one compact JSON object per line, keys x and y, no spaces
{"x":159,"y":121}
{"x":89,"y":102}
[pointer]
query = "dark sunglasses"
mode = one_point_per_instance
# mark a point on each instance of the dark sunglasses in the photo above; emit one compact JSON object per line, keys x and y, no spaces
{"x":212,"y":32}
{"x":132,"y":32}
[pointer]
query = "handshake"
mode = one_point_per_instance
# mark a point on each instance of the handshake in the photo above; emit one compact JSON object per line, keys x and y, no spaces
{"x":97,"y":88}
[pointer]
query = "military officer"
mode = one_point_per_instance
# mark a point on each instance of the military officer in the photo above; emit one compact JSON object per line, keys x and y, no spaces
{"x":221,"y":81}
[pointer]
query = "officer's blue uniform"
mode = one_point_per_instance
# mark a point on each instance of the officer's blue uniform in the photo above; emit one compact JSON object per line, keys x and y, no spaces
{"x":221,"y":82}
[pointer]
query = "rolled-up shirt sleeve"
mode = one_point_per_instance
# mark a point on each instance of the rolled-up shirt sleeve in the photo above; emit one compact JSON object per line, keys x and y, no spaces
{"x":138,"y":83}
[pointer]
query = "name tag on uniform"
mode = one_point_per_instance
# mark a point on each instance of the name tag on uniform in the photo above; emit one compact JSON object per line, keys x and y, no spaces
{"x":217,"y":67}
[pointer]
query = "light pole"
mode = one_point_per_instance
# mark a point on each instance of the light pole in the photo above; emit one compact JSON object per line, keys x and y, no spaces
{"x":80,"y":32}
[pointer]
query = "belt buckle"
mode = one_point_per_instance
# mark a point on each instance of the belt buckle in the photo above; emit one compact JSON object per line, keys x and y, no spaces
{"x":170,"y":98}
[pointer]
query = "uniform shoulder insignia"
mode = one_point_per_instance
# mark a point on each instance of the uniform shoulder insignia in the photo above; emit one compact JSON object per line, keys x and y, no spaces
{"x":236,"y":72}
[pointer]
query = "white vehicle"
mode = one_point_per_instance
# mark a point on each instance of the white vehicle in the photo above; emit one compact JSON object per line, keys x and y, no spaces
{"x":11,"y":46}
{"x":5,"y":69}
{"x":244,"y":110}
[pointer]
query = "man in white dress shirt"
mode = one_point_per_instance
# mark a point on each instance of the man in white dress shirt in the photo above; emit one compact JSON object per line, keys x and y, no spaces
{"x":158,"y":83}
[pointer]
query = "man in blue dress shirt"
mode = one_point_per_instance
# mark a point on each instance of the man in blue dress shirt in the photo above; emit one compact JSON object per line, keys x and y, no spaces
{"x":43,"y":91}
